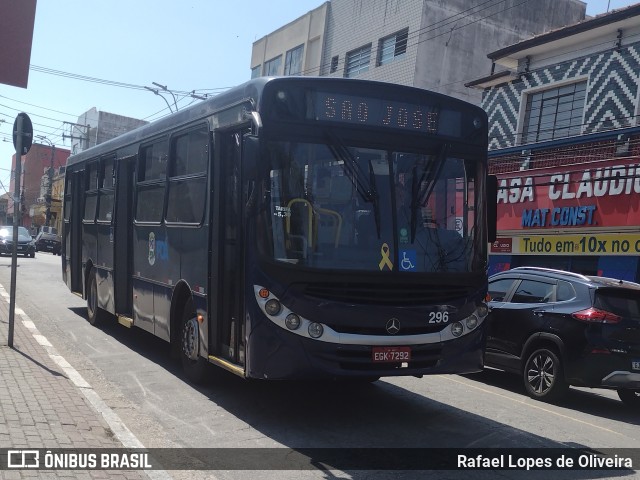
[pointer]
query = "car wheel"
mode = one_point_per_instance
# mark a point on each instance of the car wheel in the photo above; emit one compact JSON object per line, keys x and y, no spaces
{"x":32,"y":255}
{"x":543,"y":376}
{"x":631,"y":398}
{"x":193,"y":364}
{"x":93,"y":311}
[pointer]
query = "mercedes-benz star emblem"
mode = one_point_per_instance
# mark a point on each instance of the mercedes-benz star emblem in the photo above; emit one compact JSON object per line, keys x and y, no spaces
{"x":393,"y":326}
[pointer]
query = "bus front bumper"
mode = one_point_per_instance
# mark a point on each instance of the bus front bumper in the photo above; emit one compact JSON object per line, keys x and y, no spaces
{"x":277,"y":354}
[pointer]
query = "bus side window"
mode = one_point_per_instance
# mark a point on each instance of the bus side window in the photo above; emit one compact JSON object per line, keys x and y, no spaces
{"x":91,"y":192}
{"x":187,"y":179}
{"x":68,"y":195}
{"x":151,"y":175}
{"x":106,"y":191}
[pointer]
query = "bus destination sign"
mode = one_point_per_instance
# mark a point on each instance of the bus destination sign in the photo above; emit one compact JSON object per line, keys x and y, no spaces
{"x":361,"y":110}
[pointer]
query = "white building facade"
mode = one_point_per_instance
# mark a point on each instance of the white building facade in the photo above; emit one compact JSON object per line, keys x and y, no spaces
{"x":432,"y":44}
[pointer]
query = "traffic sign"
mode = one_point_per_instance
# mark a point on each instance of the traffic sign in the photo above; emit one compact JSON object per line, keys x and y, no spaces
{"x":26,"y":133}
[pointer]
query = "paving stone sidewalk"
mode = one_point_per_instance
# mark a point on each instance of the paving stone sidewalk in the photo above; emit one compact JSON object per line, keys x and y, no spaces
{"x":40,"y":407}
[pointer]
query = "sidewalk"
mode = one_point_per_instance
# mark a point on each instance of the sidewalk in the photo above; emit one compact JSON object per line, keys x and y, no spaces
{"x":44,"y":403}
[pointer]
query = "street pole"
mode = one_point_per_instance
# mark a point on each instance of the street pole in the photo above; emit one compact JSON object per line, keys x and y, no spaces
{"x":22,"y":140}
{"x":16,"y":212}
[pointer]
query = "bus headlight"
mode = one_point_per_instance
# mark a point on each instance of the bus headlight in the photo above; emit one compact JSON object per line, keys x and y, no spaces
{"x":292,"y":321}
{"x":471,"y":322}
{"x":456,"y":329}
{"x":315,"y":330}
{"x":273,"y":307}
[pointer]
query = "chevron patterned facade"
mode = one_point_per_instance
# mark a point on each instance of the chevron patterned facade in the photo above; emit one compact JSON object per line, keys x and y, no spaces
{"x":613,"y":86}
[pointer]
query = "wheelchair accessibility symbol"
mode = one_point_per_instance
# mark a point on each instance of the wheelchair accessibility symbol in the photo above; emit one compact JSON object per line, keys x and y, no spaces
{"x":408,"y":260}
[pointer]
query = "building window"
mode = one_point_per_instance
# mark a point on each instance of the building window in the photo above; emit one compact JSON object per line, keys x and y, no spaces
{"x":357,"y":61}
{"x":272,"y":67}
{"x":334,"y":63}
{"x":392,"y":47}
{"x":293,"y":61}
{"x":255,"y":71}
{"x":554,"y":113}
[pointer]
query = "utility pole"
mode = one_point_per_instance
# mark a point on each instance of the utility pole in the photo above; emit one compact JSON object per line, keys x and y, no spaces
{"x":84,"y":138}
{"x":47,"y":218}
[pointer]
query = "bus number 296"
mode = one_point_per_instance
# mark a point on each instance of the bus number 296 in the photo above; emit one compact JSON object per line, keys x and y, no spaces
{"x":438,"y":317}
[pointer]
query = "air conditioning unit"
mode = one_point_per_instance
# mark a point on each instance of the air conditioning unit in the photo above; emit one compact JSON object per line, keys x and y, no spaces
{"x":40,"y":200}
{"x":622,"y":145}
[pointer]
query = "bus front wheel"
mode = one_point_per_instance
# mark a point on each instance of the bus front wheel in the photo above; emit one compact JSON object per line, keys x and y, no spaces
{"x":193,"y":364}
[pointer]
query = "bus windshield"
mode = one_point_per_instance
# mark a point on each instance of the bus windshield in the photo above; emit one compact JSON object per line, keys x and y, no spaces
{"x":335,"y":206}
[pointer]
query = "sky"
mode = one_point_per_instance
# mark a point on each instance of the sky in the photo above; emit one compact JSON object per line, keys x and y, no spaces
{"x":201,"y":45}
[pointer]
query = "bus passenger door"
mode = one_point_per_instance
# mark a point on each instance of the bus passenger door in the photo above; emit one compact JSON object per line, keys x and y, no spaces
{"x":121,"y":235}
{"x":73,"y":230}
{"x":228,"y":264}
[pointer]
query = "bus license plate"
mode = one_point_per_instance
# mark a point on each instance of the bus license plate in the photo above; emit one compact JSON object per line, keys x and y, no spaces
{"x":635,"y":365}
{"x":391,"y":354}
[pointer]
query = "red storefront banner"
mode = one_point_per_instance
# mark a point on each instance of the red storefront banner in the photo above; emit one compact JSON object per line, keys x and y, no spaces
{"x":595,"y":194}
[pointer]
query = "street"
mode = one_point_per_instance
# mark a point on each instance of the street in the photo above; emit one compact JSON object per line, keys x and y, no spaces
{"x":134,"y":375}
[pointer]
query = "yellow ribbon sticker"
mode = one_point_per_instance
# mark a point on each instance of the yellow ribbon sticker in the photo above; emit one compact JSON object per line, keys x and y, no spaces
{"x":386,"y":261}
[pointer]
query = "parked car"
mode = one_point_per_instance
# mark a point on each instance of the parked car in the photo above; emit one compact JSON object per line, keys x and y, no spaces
{"x":557,"y":329}
{"x":26,"y":244}
{"x":48,"y":242}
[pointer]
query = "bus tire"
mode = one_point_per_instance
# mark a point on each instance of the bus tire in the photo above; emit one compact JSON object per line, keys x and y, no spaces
{"x":365,"y":380}
{"x":94,"y":314}
{"x":631,"y":398}
{"x":194,"y":366}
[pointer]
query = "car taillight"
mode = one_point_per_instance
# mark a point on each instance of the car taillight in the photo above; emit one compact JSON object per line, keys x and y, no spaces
{"x":594,"y":315}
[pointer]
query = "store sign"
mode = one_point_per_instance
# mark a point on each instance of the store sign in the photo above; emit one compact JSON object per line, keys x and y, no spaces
{"x":559,"y":216}
{"x":599,"y":244}
{"x":502,"y":245}
{"x":604,"y":194}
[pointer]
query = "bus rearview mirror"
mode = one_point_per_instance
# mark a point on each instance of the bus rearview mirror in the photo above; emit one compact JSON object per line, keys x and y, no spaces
{"x":251,"y":153}
{"x":492,"y":208}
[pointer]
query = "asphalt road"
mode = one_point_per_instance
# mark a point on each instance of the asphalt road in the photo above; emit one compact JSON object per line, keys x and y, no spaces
{"x":132,"y":372}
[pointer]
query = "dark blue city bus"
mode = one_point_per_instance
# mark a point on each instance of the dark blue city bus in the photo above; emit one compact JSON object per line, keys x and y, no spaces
{"x":293,"y":228}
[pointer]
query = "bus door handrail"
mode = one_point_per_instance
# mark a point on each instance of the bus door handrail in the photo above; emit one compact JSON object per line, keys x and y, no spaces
{"x":335,"y":214}
{"x":310,"y":215}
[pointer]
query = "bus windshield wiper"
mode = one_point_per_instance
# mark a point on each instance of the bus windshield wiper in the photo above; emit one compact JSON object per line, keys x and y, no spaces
{"x":374,"y":201}
{"x":365,"y":188}
{"x":350,"y":165}
{"x":421,"y":190}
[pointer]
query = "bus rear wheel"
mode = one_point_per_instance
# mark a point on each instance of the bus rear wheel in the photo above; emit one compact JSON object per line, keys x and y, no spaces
{"x":93,"y":311}
{"x":193,"y":364}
